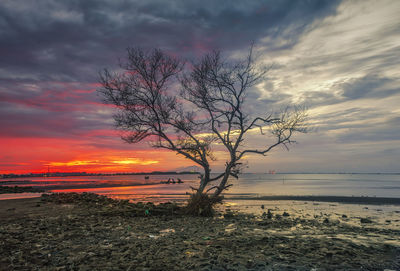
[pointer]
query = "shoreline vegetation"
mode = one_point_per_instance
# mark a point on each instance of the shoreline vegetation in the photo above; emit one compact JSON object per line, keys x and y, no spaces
{"x":68,"y":231}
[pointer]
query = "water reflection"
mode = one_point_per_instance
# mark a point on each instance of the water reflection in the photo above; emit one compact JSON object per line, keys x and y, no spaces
{"x":249,"y":185}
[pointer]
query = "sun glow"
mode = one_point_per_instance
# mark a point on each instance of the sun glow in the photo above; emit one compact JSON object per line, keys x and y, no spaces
{"x":106,"y":162}
{"x":72,"y":163}
{"x":135,"y":161}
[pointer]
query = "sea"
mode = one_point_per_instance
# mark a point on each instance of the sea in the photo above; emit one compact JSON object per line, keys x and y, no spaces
{"x":249,"y":185}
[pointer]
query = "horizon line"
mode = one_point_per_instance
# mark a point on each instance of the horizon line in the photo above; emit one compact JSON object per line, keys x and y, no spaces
{"x":182,"y":171}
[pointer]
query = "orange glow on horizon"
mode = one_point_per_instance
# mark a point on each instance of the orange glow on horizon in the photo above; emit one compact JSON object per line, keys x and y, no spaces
{"x":135,"y":161}
{"x":35,"y":155}
{"x":128,"y":161}
{"x":72,"y":163}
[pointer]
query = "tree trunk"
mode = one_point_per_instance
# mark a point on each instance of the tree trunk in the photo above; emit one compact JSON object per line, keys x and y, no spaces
{"x":205,"y":179}
{"x":221,"y":186}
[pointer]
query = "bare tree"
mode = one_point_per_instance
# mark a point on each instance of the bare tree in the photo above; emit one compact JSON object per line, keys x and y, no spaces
{"x":208,"y":109}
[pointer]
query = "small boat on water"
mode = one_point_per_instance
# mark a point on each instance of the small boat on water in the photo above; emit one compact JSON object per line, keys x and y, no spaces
{"x":146,"y":177}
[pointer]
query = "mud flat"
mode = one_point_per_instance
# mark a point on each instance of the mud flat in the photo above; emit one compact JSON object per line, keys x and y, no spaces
{"x":90,"y":232}
{"x":19,"y":189}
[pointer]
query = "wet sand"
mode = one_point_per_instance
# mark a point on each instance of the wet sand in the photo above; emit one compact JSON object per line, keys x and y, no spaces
{"x":338,"y":199}
{"x":18,"y":189}
{"x":96,"y":234}
{"x":381,"y":216}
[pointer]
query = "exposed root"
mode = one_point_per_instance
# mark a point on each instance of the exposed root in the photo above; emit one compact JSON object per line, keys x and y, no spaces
{"x":202,"y":204}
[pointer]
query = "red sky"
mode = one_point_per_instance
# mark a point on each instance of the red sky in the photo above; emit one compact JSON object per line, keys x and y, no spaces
{"x":24,"y":155}
{"x":69,"y":129}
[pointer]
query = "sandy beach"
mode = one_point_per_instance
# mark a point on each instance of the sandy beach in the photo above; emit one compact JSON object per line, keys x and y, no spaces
{"x":90,"y":232}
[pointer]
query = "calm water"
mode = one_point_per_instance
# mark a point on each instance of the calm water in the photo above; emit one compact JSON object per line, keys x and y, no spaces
{"x":249,"y":185}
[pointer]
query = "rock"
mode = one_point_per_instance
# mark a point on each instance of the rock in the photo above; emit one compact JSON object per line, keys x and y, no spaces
{"x":365,"y":220}
{"x":229,"y":214}
{"x":285,"y":214}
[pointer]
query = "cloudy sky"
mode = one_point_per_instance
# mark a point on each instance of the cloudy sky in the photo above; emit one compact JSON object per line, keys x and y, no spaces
{"x":340,"y":58}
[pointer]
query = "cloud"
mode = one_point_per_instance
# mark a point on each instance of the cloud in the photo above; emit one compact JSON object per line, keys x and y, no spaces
{"x":51,"y":51}
{"x":370,"y":86}
{"x":70,"y":41}
{"x":336,"y":57}
{"x":50,"y":109}
{"x":379,"y":132}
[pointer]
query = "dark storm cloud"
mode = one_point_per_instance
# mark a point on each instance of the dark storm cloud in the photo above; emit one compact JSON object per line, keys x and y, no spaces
{"x":72,"y":40}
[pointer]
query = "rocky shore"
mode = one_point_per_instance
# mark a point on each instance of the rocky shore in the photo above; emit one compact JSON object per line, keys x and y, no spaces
{"x":91,"y":232}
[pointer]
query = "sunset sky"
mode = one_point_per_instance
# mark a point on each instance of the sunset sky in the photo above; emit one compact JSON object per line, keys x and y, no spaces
{"x":340,"y":58}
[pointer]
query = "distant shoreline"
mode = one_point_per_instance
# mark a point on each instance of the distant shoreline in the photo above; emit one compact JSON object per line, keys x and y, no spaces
{"x":83,"y":174}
